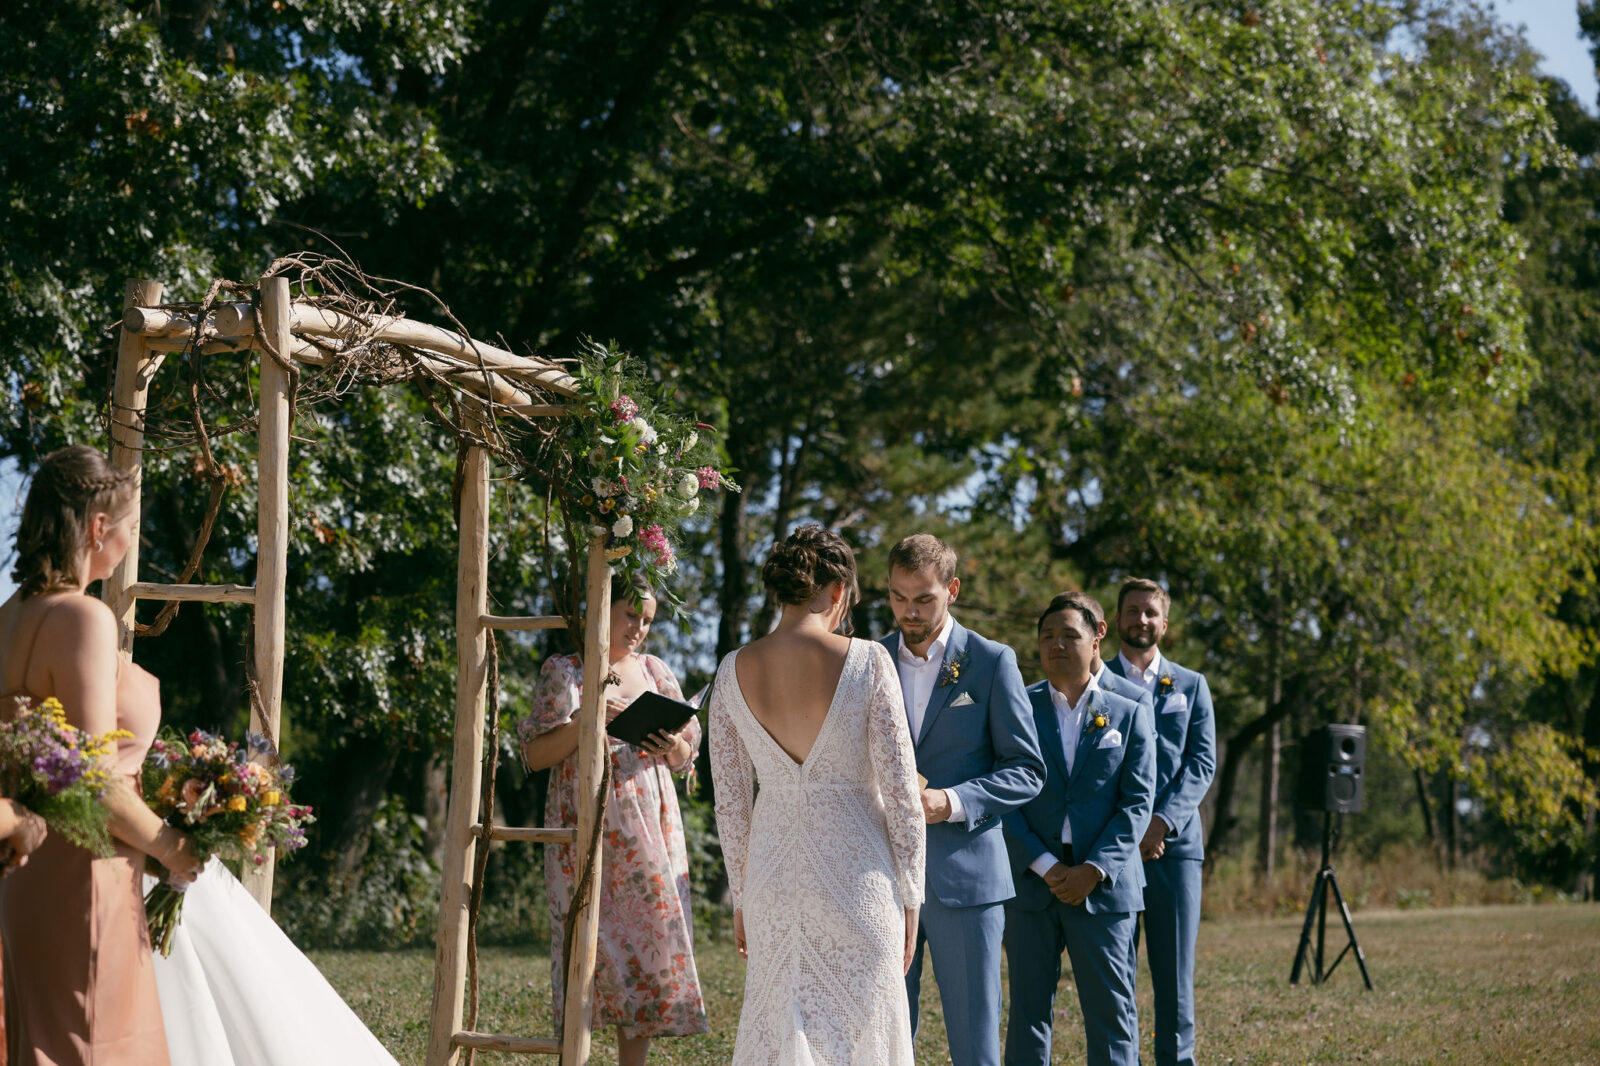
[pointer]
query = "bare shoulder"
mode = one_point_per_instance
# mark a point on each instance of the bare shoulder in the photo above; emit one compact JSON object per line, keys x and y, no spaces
{"x":73,"y":614}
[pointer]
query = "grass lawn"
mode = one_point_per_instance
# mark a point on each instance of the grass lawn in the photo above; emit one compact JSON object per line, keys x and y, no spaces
{"x":1465,"y":985}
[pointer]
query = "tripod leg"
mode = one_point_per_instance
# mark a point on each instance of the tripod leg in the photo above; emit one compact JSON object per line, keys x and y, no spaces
{"x":1349,"y":927}
{"x":1305,"y":932}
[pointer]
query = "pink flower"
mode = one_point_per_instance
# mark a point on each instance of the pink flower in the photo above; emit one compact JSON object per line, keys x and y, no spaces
{"x":709,"y":478}
{"x":624,"y":408}
{"x":654,"y":539}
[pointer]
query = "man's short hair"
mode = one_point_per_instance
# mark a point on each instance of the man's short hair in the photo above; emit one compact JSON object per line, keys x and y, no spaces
{"x":1081,"y":602}
{"x":924,"y":551}
{"x":1144,"y":584}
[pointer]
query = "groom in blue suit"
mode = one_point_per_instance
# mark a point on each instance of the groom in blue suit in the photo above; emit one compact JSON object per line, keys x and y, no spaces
{"x":979,"y":757}
{"x":1074,"y":847}
{"x":1174,"y":846}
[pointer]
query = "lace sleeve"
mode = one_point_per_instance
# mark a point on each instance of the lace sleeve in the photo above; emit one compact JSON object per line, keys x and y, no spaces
{"x":894,"y":763}
{"x":555,"y":698}
{"x":734,"y":777}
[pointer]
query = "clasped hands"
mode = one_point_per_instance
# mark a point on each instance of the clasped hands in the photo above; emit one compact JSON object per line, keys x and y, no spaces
{"x":670,"y":747}
{"x":1071,"y":884}
{"x":1154,"y":844}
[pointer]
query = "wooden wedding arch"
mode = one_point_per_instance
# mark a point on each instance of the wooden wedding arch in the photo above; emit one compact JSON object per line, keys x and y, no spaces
{"x":491,"y":384}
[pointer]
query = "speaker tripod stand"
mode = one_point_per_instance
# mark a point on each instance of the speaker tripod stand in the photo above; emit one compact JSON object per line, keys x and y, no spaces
{"x":1318,"y":912}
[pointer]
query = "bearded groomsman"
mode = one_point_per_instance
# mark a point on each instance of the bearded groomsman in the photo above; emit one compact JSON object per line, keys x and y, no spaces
{"x":975,"y":745}
{"x":1173,"y":847}
{"x":1074,"y":847}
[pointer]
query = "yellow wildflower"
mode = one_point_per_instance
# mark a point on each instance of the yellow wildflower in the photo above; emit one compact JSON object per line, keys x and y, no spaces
{"x":238,"y":803}
{"x":271,"y":798}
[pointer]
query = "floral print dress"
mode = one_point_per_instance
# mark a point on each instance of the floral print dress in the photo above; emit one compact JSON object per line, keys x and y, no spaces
{"x":645,"y":977}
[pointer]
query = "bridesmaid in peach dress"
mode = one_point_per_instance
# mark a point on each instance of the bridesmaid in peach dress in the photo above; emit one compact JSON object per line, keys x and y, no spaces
{"x":80,"y":988}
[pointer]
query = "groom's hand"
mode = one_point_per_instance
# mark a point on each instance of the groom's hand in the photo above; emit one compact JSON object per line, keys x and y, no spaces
{"x":1072,"y":884}
{"x":935,"y":805}
{"x":1154,"y":844}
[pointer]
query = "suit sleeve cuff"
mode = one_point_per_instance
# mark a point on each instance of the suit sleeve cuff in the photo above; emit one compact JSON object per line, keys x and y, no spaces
{"x":1170,"y":827}
{"x":957,"y":812}
{"x":1100,"y":871}
{"x":1043,"y":864}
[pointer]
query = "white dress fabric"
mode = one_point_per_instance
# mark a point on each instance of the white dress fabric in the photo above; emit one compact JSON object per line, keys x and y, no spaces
{"x":237,"y":992}
{"x":823,"y":862}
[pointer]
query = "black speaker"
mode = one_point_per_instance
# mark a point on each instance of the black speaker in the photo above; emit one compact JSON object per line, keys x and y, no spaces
{"x":1331,"y":761}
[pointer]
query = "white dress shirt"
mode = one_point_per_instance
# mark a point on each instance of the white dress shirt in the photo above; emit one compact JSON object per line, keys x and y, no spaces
{"x":1148,"y":678}
{"x":918,"y":677}
{"x":1069,"y":717}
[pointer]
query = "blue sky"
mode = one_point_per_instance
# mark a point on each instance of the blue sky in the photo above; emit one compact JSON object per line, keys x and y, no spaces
{"x":1551,"y":27}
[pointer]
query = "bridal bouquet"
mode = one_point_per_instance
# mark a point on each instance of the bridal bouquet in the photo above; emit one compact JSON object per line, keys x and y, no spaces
{"x":54,"y":769}
{"x":232,"y":805}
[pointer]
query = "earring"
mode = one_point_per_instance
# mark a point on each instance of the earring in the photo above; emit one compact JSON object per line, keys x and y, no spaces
{"x":99,"y":544}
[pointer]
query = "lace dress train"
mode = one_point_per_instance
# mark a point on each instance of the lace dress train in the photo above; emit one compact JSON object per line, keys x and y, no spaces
{"x":823,"y":864}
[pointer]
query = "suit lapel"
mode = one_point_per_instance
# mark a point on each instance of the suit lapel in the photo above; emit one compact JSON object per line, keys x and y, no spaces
{"x":1084,"y":747}
{"x":1115,"y":665}
{"x":940,"y":697}
{"x":1049,"y":727}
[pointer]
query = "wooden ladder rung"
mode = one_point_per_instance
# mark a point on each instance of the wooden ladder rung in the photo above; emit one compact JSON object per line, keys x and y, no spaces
{"x":528,"y":834}
{"x":524,"y":1045}
{"x":526,"y":621}
{"x":150,"y":590}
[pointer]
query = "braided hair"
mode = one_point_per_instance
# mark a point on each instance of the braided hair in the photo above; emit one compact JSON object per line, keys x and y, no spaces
{"x":808,"y":561}
{"x":71,"y":486}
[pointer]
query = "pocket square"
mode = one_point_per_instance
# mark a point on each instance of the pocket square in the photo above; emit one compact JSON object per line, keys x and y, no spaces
{"x":963,"y":700}
{"x":1110,"y":739}
{"x":1175,"y":704}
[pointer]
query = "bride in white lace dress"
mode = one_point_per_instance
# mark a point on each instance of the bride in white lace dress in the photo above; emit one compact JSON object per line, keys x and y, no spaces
{"x":826,"y":862}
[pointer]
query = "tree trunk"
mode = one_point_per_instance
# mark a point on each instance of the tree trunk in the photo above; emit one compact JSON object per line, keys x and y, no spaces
{"x":1267,"y":841}
{"x":1591,"y":740}
{"x":731,"y":598}
{"x":435,"y":804}
{"x":788,"y":485}
{"x":360,"y":781}
{"x":1427,"y":817}
{"x":1452,"y":821}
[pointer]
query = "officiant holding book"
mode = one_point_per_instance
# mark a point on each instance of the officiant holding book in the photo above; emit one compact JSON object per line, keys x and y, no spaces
{"x":645,"y":978}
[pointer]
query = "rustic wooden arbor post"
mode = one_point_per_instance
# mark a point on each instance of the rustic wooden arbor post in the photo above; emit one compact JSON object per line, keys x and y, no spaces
{"x":493,"y":377}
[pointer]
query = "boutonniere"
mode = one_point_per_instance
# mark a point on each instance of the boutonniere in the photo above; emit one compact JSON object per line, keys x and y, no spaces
{"x":1164,"y":685}
{"x":1097,"y":722}
{"x":950,"y":672}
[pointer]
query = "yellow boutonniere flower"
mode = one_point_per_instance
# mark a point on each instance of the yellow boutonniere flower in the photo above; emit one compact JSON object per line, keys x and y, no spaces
{"x":1165,"y":682}
{"x":1099,"y":721}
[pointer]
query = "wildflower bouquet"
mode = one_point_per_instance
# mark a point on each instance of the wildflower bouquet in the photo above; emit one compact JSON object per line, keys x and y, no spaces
{"x":54,"y":769}
{"x":230,"y":804}
{"x":635,"y":469}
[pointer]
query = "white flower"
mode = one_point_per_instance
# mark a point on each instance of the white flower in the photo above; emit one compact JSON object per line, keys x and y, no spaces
{"x":689,"y":486}
{"x":694,"y":505}
{"x":690,"y":441}
{"x":647,"y":432}
{"x":622,"y":526}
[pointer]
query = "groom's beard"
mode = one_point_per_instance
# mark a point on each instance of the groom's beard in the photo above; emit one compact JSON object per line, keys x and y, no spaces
{"x":918,"y":632}
{"x":1140,"y":638}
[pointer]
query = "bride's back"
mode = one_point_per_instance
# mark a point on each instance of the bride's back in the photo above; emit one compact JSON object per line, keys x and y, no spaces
{"x":788,"y":680}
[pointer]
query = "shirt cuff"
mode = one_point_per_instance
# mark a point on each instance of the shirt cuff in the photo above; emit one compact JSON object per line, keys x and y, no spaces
{"x":1096,"y":865}
{"x":1043,"y":864}
{"x":957,"y":814}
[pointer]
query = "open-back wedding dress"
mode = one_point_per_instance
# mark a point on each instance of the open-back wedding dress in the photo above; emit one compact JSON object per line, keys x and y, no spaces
{"x":823,"y":862}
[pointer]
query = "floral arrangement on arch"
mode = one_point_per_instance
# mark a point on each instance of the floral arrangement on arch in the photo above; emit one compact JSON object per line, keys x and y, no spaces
{"x":635,"y":469}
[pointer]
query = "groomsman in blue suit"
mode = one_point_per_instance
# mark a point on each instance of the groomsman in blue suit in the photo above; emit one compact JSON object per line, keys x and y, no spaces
{"x":976,"y":749}
{"x":1173,"y":847}
{"x":1074,"y":847}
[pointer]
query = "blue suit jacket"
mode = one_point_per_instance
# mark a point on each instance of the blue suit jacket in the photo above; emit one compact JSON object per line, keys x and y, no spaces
{"x":985,"y":751}
{"x":1186,"y":754}
{"x":1107,"y":799}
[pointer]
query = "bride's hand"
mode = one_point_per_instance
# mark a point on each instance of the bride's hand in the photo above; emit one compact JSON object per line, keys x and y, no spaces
{"x":911,"y":939}
{"x":738,"y":934}
{"x":178,"y":856}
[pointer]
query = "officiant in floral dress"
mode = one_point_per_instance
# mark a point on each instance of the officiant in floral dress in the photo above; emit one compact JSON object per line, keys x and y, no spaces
{"x":645,"y":978}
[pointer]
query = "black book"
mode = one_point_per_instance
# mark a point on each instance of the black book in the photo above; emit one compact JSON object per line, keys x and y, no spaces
{"x":650,"y":712}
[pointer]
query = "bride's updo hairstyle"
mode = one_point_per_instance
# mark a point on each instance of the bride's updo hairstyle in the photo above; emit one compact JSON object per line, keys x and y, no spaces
{"x":72,"y":485}
{"x":808,"y":561}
